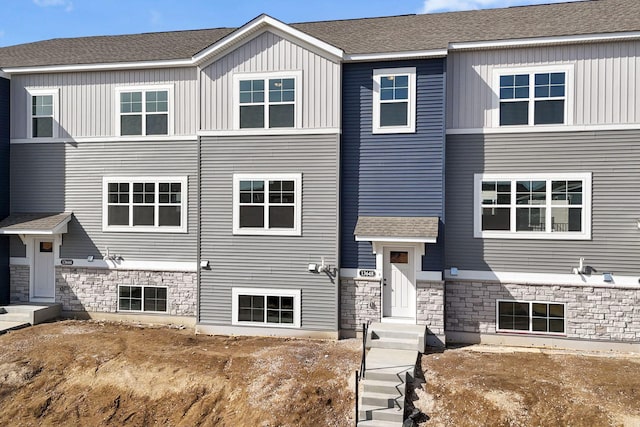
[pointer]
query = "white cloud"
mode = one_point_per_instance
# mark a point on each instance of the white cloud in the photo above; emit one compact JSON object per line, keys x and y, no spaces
{"x":66,"y":4}
{"x":451,"y":5}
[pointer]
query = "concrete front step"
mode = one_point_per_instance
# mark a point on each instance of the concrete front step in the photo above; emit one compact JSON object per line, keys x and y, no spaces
{"x":15,"y":317}
{"x":392,"y":386}
{"x":383,"y":400}
{"x":374,"y":413}
{"x":396,"y":336}
{"x":379,"y":423}
{"x":33,"y":313}
{"x":10,"y":326}
{"x":394,"y":343}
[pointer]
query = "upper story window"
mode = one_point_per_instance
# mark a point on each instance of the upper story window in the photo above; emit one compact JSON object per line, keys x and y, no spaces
{"x":534,"y":206}
{"x":394,"y":100}
{"x":268,"y":101}
{"x":43,"y":113}
{"x":533,"y":97}
{"x":267,"y":204}
{"x":144,"y":110}
{"x":155,"y":204}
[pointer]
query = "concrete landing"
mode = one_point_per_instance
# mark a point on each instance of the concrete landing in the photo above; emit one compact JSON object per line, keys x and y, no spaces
{"x":22,"y":315}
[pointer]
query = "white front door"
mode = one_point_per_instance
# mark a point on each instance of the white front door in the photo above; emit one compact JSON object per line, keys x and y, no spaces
{"x":43,"y":271}
{"x":399,"y":292}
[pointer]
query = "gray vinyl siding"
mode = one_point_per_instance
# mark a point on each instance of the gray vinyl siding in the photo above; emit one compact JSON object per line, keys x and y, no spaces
{"x":612,"y":158}
{"x":16,"y":247}
{"x":605,"y":84}
{"x":88,"y":102}
{"x":269,"y":261}
{"x":391,"y":174}
{"x":265,"y":53}
{"x":4,"y":187}
{"x":68,"y":177}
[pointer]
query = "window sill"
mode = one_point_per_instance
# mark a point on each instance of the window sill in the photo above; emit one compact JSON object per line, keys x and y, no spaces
{"x":532,"y":236}
{"x":531,"y":333}
{"x":265,"y":232}
{"x":173,"y":230}
{"x":382,"y":131}
{"x":267,"y":325}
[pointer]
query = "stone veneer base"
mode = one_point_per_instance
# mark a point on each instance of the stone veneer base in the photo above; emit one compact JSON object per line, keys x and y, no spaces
{"x":96,"y":290}
{"x":605,"y":314}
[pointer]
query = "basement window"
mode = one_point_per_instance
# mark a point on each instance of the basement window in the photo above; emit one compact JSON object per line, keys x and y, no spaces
{"x":533,"y":317}
{"x":266,"y":307}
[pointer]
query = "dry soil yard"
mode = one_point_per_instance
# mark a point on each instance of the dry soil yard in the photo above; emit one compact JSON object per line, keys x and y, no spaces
{"x":93,"y":373}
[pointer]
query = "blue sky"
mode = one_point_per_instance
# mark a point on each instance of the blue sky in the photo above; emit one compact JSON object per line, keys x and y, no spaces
{"x":25,"y":21}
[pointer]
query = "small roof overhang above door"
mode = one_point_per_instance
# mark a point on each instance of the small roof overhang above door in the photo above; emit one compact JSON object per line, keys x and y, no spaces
{"x":407,"y":229}
{"x":35,"y":223}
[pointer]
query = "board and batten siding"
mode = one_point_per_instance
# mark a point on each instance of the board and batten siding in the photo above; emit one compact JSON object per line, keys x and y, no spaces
{"x":612,"y":157}
{"x":88,"y":102}
{"x":69,"y":177}
{"x":391,"y":174}
{"x":4,"y":187}
{"x":606,"y":82}
{"x":278,"y":262}
{"x":269,"y":52}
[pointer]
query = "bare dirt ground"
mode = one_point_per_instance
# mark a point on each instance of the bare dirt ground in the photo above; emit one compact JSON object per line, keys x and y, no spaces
{"x":508,"y":387}
{"x":94,"y":374}
{"x":100,"y":374}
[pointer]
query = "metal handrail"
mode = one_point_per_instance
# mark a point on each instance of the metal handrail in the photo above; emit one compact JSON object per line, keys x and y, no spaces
{"x":363,"y":359}
{"x":363,"y":365}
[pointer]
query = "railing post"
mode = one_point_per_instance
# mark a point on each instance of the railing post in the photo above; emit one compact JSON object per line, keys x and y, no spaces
{"x":357,"y":386}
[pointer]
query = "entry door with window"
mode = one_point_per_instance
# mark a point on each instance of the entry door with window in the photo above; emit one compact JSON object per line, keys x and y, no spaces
{"x":43,"y":271}
{"x":399,"y":293}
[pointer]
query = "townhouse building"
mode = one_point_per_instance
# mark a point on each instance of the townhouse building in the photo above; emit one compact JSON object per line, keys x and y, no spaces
{"x":472,"y":172}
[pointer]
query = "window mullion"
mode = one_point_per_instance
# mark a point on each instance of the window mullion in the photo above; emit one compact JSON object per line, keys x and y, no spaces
{"x":512,"y":210}
{"x":143,"y":131}
{"x":131,"y":204}
{"x":266,"y":104}
{"x":156,"y":203}
{"x":532,"y":96}
{"x":267,"y":226}
{"x":547,"y":218}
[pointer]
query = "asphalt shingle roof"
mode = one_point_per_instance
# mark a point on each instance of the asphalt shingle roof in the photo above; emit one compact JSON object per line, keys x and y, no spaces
{"x":397,"y":226}
{"x":33,"y":222}
{"x":356,"y":36}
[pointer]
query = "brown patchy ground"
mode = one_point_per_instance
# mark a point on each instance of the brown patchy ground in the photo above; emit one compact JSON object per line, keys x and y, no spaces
{"x":508,"y":387}
{"x":99,"y":374}
{"x":93,"y":373}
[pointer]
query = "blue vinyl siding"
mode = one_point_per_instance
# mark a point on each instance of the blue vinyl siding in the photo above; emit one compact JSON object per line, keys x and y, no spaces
{"x":391,"y":174}
{"x":4,"y":188}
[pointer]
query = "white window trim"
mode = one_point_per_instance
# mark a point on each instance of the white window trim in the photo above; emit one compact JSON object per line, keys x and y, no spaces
{"x":295,"y":231}
{"x":56,"y":112}
{"x":146,"y":88}
{"x":411,"y":110}
{"x":295,"y":293}
{"x":543,"y":235}
{"x":183,"y":180}
{"x":296,"y":75}
{"x":530,"y":331}
{"x":142,"y":310}
{"x":569,"y":94}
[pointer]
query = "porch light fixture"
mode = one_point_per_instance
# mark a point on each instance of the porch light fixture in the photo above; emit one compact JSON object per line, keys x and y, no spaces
{"x":453,"y":271}
{"x":607,"y":277}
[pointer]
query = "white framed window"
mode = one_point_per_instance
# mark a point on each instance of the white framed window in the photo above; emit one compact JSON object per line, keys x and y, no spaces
{"x":394,"y":100}
{"x":267,"y":100}
{"x":43,"y":113}
{"x":144,"y":110}
{"x":531,"y":317}
{"x":535,"y":96}
{"x":278,"y":308}
{"x":533,"y":206}
{"x":142,"y":298}
{"x":145,"y":204}
{"x":267,"y":204}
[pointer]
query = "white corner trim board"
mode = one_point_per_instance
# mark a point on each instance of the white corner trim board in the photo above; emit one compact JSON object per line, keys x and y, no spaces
{"x":524,"y":278}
